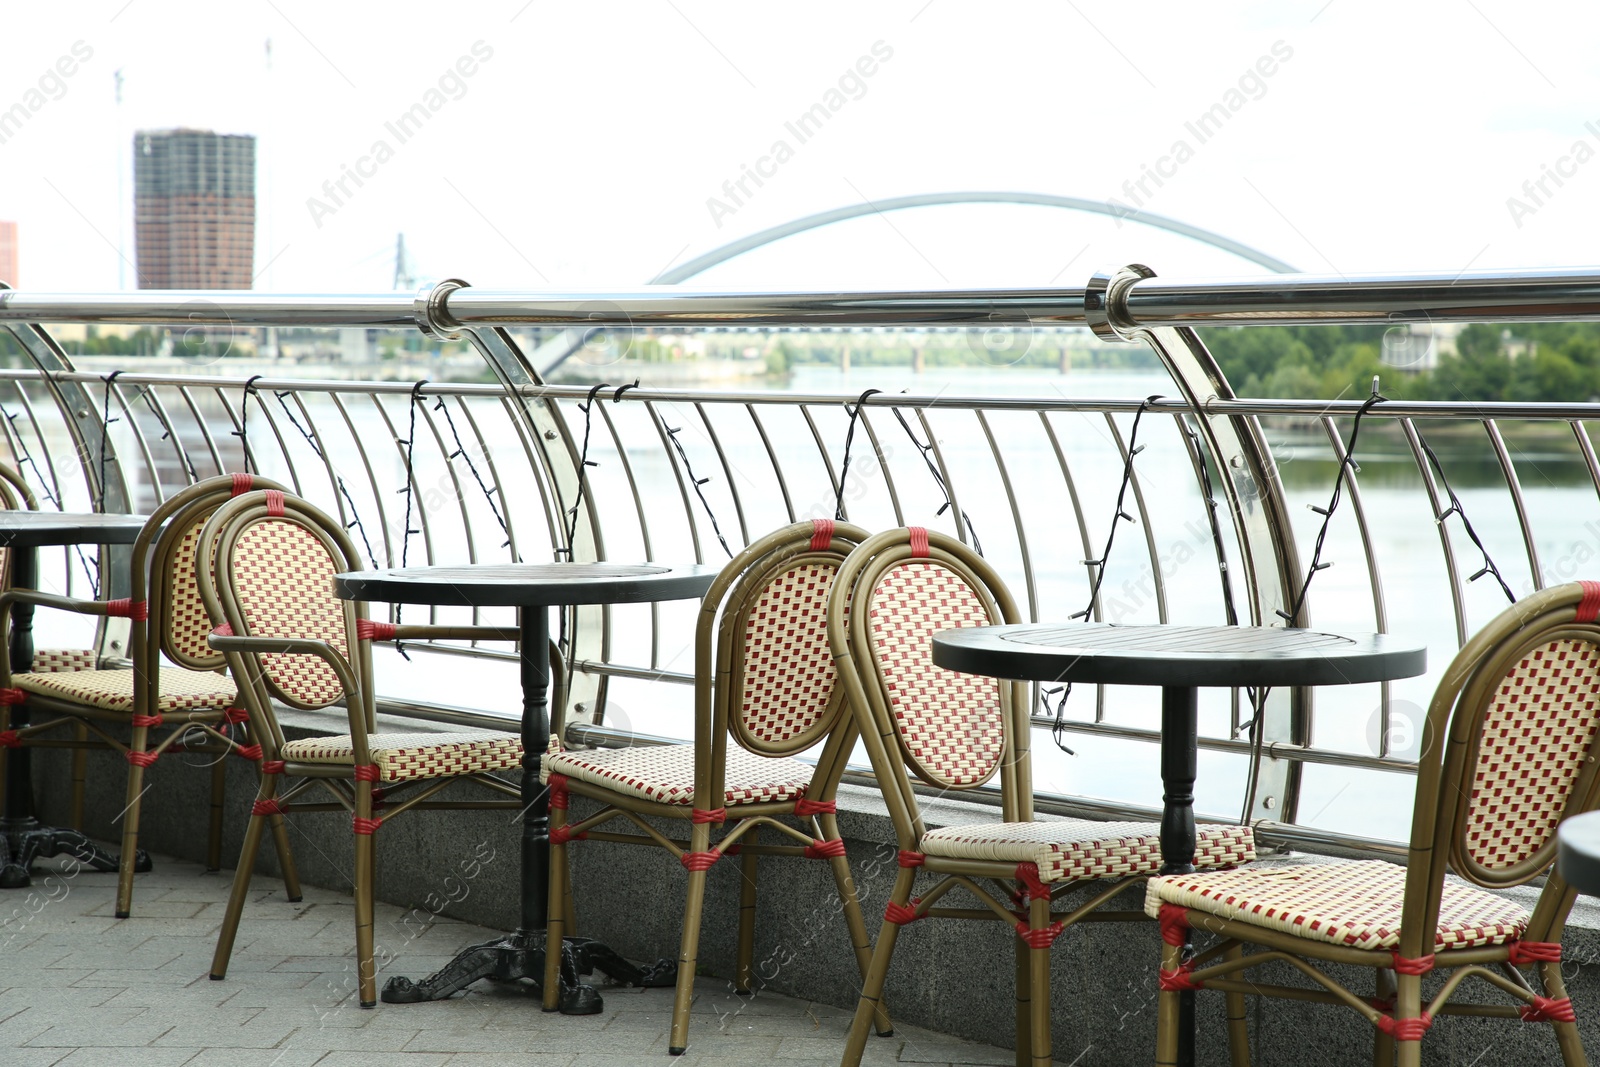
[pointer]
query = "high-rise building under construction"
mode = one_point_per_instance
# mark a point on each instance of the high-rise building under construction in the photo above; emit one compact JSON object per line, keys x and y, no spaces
{"x":194,"y":209}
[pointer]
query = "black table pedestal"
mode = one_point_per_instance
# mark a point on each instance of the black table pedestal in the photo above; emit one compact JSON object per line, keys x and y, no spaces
{"x":22,"y":838}
{"x":522,"y":954}
{"x":1180,"y":726}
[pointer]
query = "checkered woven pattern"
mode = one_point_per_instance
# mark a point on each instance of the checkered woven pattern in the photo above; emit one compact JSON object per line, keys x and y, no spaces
{"x":1536,"y":732}
{"x":665,"y":773}
{"x":190,"y":626}
{"x":113,"y":690}
{"x":950,"y":724}
{"x":1356,"y":904}
{"x":283,"y":577}
{"x":1076,"y":849}
{"x":788,"y":667}
{"x":405,"y":757}
{"x":53,"y":660}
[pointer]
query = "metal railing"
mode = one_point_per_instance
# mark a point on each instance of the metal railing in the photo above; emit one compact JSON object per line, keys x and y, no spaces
{"x":497,"y":472}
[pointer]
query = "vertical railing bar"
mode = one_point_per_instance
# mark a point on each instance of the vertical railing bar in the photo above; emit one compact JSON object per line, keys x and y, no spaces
{"x":248,"y":451}
{"x":883,"y":468}
{"x":55,"y":478}
{"x":372,"y":481}
{"x":205,"y":429}
{"x":683,"y":490}
{"x":827,"y":462}
{"x":1444,"y":533}
{"x":461,"y":499}
{"x":1016,"y":517}
{"x":416,"y":494}
{"x":334,"y":479}
{"x":1586,"y":446}
{"x":944,"y":472}
{"x":1088,"y":550}
{"x":535,"y":465}
{"x":1380,"y":613}
{"x":727,"y":472}
{"x":190,"y":473}
{"x":1514,"y":487}
{"x":283,"y":446}
{"x":1197,"y":460}
{"x":132,"y":422}
{"x":772,"y":457}
{"x":1144,"y":521}
{"x":494,"y":475}
{"x":644,"y":529}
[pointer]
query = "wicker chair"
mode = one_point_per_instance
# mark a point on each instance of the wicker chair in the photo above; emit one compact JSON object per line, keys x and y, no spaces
{"x":158,"y":709}
{"x":955,"y":732}
{"x":763,"y":678}
{"x":268,"y":561}
{"x":1508,"y":752}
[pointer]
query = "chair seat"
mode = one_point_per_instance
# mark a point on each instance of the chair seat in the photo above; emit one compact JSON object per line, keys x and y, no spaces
{"x":1074,"y":849}
{"x":181,"y":690}
{"x":408,"y":757}
{"x":54,"y":660}
{"x":1357,"y":904}
{"x":665,"y":774}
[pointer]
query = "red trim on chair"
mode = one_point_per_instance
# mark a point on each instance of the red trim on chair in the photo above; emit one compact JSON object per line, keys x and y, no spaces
{"x":1174,"y":925}
{"x":560,"y":799}
{"x":1382,"y":1003}
{"x":146,"y":721}
{"x":1523,"y":953}
{"x":367,"y":630}
{"x":250,"y":752}
{"x":366,"y":772}
{"x":1420,"y":965}
{"x":272,"y":766}
{"x":824,"y":850}
{"x":242,"y":483}
{"x":126,"y":608}
{"x":142,"y":759}
{"x":275,"y":502}
{"x":560,"y":835}
{"x":1178,"y":981}
{"x":821,"y":534}
{"x":10,"y":739}
{"x":1043,"y":937}
{"x":1028,"y":875}
{"x":900,"y":914}
{"x":699,"y":861}
{"x":1405,"y":1029}
{"x":272,"y":806}
{"x":365,"y":826}
{"x":1589,"y":605}
{"x":1549,"y":1010}
{"x":12,"y":696}
{"x":806,"y":808}
{"x":705,"y":815}
{"x":236,"y":716}
{"x":919,"y":542}
{"x":907,"y":858}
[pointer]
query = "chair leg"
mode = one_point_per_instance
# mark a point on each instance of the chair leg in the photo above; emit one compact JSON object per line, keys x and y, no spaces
{"x":366,"y":970}
{"x":130,"y":821}
{"x":877,"y":970}
{"x":555,"y":912}
{"x":689,"y":948}
{"x":742,"y":984}
{"x":80,"y":773}
{"x":1566,"y":1033}
{"x":241,"y":888}
{"x":1024,"y":1009}
{"x":291,"y":873}
{"x":214,"y":830}
{"x":1167,"y":1007}
{"x":1408,"y":1005}
{"x":1238,"y":1020}
{"x":1383,"y":1044}
{"x":852,"y":918}
{"x":1039,"y":986}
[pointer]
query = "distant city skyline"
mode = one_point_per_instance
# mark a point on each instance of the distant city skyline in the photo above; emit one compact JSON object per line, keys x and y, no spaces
{"x":194,"y":219}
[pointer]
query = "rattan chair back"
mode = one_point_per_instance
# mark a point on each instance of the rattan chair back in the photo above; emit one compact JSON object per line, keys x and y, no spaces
{"x":952,"y":731}
{"x":1509,"y":751}
{"x":14,"y":495}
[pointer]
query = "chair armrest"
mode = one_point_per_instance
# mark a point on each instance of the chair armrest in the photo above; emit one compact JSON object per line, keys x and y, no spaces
{"x":123,"y":608}
{"x":298,"y":645}
{"x":456,"y":633}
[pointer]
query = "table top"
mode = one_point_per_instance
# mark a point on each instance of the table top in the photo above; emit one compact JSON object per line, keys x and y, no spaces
{"x":1578,"y":852}
{"x":528,"y":584}
{"x":1177,"y":655}
{"x":25,"y":529}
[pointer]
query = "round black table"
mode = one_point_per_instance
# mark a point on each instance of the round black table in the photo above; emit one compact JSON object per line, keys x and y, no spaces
{"x":1578,"y":852}
{"x":22,"y":838}
{"x":534,"y":588}
{"x":1179,"y":659}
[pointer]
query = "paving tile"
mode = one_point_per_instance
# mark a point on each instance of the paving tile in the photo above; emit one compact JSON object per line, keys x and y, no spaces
{"x":348,"y":1039}
{"x":255,"y":1057}
{"x":35,"y":1057}
{"x":225,"y":1032}
{"x":501,"y":1059}
{"x":126,"y":1057}
{"x":499,"y":1041}
{"x":86,"y":1033}
{"x":384,"y":1059}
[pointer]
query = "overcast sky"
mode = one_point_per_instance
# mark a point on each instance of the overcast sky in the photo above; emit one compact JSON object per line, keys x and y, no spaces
{"x":590,"y":144}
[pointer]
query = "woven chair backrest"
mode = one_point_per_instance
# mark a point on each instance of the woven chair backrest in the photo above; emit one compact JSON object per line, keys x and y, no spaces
{"x":951,"y":727}
{"x":281,"y":573}
{"x":10,"y":500}
{"x":783,"y":696}
{"x":1523,"y":737}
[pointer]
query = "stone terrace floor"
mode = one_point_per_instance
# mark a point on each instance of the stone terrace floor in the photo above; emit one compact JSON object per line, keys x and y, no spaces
{"x":79,"y":988}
